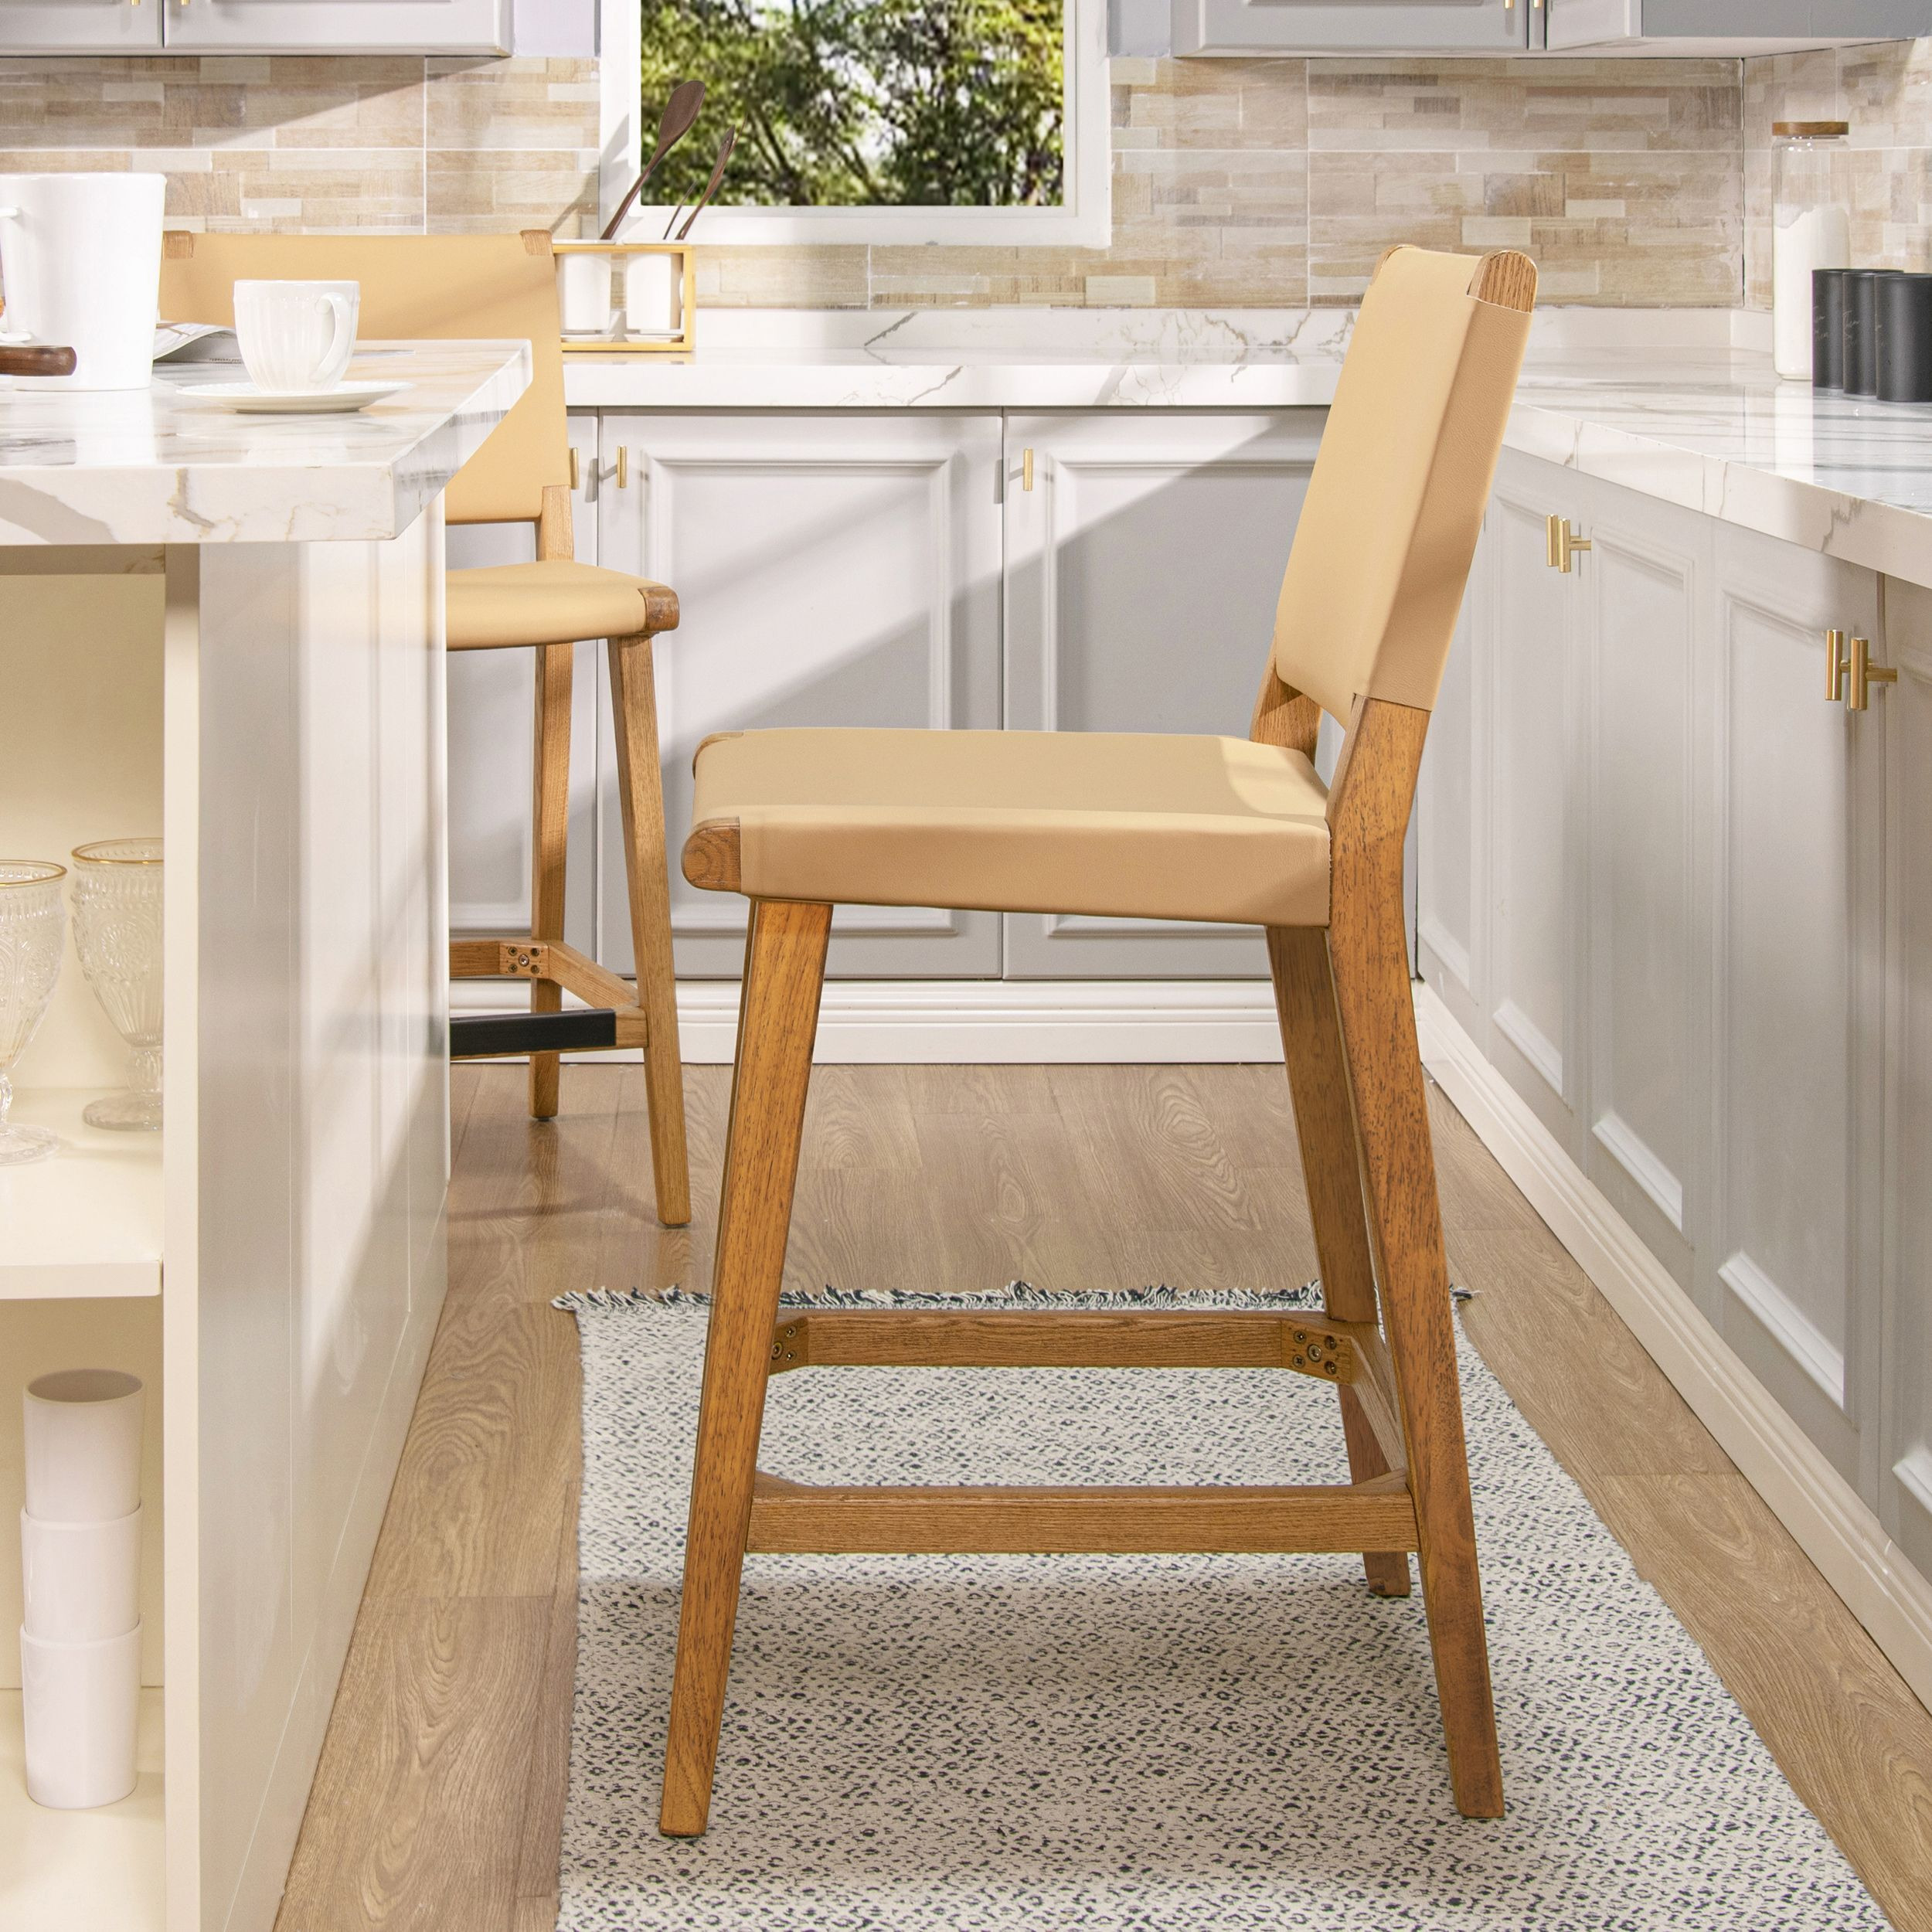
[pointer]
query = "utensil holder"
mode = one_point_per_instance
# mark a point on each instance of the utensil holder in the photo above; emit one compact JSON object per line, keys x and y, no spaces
{"x":81,"y":1581}
{"x":80,"y":1704}
{"x":82,"y":1445}
{"x":647,"y":292}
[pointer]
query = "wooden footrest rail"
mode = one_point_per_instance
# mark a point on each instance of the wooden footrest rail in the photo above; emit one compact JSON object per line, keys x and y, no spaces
{"x":551,"y":962}
{"x":1311,"y":1344}
{"x":801,"y":1518}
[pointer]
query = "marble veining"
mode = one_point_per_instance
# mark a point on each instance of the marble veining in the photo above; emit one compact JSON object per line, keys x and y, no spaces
{"x":160,"y":466}
{"x":1699,"y":421}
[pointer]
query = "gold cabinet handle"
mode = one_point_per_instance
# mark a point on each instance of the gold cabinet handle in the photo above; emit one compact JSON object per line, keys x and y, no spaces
{"x":1864,"y":674}
{"x":623,"y":466}
{"x":1836,"y":664}
{"x":1026,"y":469}
{"x":1563,"y":543}
{"x":574,"y":484}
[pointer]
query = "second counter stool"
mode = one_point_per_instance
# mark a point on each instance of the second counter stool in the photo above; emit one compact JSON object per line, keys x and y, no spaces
{"x":488,"y":288}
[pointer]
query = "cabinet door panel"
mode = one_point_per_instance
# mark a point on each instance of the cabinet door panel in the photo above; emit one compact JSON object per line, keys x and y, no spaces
{"x":77,"y":26}
{"x":1340,"y":26}
{"x":1905,"y":1457}
{"x":1536,"y":821}
{"x":1142,"y":572}
{"x":1795,"y":839}
{"x":338,"y":26}
{"x":1451,"y":860}
{"x":831,"y":570}
{"x":1641,"y":584}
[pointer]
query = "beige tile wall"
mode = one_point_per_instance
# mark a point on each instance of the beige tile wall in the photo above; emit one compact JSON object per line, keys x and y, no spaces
{"x":1886,"y":93}
{"x":1236,"y":182}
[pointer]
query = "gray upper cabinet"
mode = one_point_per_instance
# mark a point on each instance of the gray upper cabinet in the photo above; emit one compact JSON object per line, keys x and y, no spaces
{"x":256,"y":26}
{"x":837,"y":570}
{"x":1341,"y":26}
{"x":1144,"y":551}
{"x":1734,"y":27}
{"x":78,"y":26}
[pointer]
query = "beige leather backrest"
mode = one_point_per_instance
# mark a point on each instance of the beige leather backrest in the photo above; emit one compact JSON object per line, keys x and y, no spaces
{"x":1387,"y":532}
{"x":483,"y":288}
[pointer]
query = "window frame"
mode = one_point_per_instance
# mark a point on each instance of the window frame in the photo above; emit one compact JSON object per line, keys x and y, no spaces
{"x":1084,"y":220}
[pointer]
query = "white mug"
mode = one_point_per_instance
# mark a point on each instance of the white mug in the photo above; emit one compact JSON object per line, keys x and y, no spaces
{"x":296,"y":337}
{"x":80,"y":269}
{"x":83,"y":1445}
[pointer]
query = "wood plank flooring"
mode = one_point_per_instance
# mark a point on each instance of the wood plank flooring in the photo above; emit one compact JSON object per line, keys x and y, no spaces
{"x":440,"y":1795}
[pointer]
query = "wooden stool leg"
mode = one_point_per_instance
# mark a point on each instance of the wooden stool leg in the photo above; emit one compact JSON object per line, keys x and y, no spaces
{"x":1324,"y":1125}
{"x":1385,"y":1066}
{"x":634,"y":704}
{"x":784,"y":967}
{"x":549,"y":842}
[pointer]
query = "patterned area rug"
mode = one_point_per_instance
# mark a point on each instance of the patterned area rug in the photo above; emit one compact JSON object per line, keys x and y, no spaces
{"x":986,"y":1743}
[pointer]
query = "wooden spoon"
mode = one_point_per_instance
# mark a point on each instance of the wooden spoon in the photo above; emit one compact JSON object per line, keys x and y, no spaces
{"x":680,"y":111}
{"x":711,"y":186}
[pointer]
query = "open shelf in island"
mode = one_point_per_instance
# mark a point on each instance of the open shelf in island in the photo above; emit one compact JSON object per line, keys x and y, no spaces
{"x":86,"y":1221}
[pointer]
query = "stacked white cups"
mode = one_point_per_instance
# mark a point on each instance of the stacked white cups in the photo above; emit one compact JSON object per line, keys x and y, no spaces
{"x":80,"y":1563}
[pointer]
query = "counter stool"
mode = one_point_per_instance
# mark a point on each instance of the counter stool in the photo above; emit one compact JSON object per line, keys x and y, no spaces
{"x":1168,"y":827}
{"x":488,"y":288}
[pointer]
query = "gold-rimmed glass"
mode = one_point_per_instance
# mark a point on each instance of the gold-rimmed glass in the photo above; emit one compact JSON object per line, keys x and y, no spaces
{"x":116,"y":933}
{"x":32,"y":924}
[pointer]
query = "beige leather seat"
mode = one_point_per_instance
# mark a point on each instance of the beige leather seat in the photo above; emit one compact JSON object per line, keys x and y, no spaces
{"x":1176,"y":828}
{"x":491,"y":287}
{"x":1126,"y":823}
{"x":555,"y":601}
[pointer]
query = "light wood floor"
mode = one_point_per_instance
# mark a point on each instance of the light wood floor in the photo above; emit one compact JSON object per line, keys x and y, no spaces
{"x":440,"y":1794}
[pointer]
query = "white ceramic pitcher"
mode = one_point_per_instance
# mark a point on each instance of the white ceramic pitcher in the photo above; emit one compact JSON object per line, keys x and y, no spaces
{"x":80,"y":267}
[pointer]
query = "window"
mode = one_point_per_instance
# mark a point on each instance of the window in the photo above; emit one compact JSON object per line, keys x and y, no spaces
{"x":974,"y":121}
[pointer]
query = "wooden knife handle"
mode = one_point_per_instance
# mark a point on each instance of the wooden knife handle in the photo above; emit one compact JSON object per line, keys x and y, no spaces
{"x":36,"y":361}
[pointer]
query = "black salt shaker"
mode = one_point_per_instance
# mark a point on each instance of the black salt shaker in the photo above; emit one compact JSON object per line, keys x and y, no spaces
{"x":1905,"y":338}
{"x":1828,"y":328}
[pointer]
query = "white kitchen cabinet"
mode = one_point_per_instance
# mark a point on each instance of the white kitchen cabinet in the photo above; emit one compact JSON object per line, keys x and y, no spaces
{"x":1531,"y":661}
{"x":255,"y":26}
{"x":1144,"y":551}
{"x":1654,"y":891}
{"x":837,"y":570}
{"x":1254,"y":27}
{"x":1795,"y":797}
{"x":1735,"y":28}
{"x":1905,"y":1329}
{"x":79,"y":26}
{"x":335,"y":26}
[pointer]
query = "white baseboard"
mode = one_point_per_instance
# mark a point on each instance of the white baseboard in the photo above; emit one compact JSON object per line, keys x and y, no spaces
{"x":1003,"y":1021}
{"x":1831,"y":1523}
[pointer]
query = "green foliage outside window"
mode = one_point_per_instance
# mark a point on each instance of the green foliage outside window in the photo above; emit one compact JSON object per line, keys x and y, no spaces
{"x":863,"y":102}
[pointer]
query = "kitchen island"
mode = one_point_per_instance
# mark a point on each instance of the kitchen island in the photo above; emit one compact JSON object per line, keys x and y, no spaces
{"x":229,"y":629}
{"x":1673,"y":902}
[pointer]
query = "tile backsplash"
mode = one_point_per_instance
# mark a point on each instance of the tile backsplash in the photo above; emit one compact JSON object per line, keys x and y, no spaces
{"x":1235,"y":183}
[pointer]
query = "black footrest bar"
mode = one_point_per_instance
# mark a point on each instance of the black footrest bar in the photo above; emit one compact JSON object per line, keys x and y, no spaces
{"x":482,"y":1036}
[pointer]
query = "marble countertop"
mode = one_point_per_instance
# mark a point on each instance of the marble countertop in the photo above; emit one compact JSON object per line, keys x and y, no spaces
{"x":158,"y":466}
{"x":1682,"y":406}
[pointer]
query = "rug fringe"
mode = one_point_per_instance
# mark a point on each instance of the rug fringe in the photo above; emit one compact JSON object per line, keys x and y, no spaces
{"x":1015,"y":1294}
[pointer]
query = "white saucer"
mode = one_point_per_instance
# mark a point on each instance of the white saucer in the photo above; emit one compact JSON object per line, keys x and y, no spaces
{"x":251,"y":401}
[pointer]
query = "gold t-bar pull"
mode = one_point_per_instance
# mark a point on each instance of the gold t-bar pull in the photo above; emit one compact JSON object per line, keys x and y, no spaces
{"x":1564,"y":544}
{"x":1836,"y":664}
{"x":1865,"y":673}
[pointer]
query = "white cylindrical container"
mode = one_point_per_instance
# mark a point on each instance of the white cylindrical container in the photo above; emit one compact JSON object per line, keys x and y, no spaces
{"x":584,"y":292}
{"x":81,"y":268}
{"x":83,"y":1445}
{"x":1811,"y":228}
{"x":81,"y":1581}
{"x":81,"y":1704}
{"x":653,"y":294}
